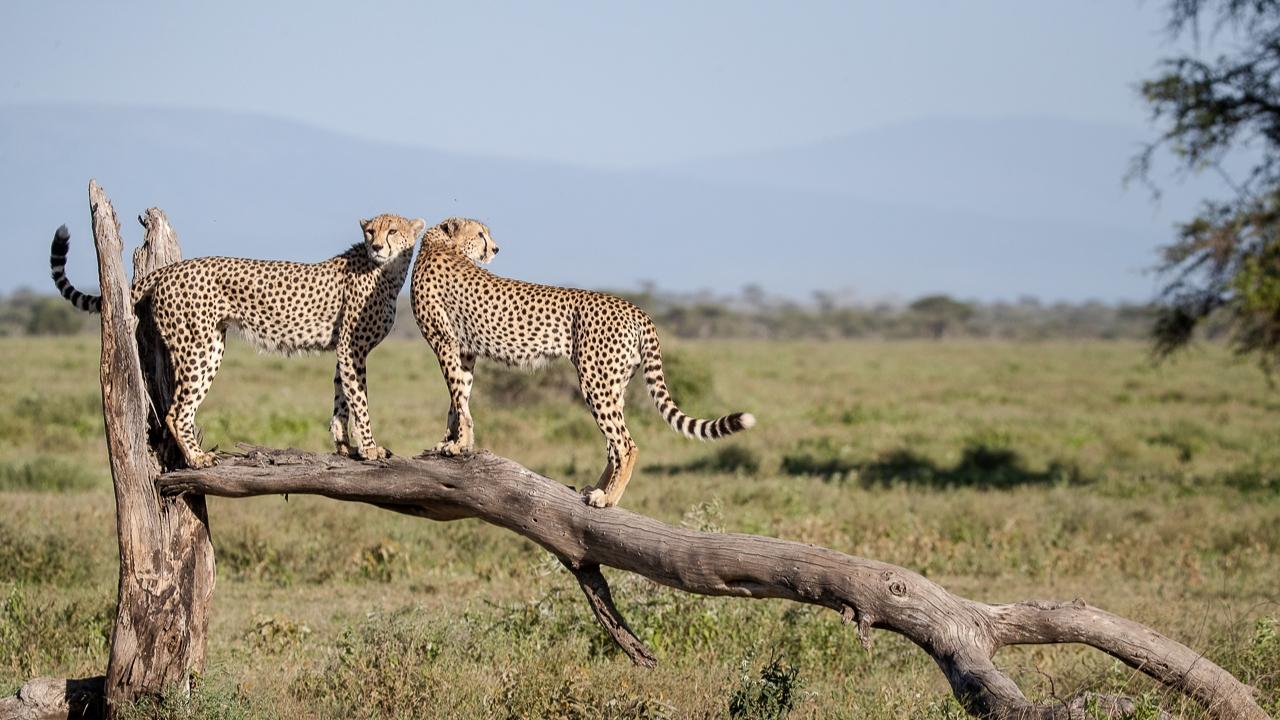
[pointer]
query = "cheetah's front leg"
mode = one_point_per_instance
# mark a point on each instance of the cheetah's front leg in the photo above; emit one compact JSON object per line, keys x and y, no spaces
{"x":458,"y":369}
{"x":351,"y":367}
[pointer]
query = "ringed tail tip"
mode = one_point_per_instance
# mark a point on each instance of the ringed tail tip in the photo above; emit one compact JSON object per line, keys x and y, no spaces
{"x":748,"y":421}
{"x":63,"y":233}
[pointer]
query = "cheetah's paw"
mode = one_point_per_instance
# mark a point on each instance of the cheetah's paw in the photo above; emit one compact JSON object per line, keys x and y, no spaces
{"x":452,"y":448}
{"x":201,"y":459}
{"x":595,"y":497}
{"x":375,"y":452}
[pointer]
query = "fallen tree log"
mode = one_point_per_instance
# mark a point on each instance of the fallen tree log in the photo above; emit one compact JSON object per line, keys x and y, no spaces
{"x":961,"y":635}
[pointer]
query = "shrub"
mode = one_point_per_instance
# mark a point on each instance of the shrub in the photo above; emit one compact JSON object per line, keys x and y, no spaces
{"x":39,"y":635}
{"x":205,"y":703}
{"x":771,"y":695}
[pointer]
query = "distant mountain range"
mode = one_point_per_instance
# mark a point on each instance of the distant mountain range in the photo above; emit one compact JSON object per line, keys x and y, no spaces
{"x":981,"y":209}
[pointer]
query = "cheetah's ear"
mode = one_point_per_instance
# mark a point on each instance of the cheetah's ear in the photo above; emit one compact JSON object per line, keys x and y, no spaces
{"x":450,"y":226}
{"x":417,"y":226}
{"x":364,"y":224}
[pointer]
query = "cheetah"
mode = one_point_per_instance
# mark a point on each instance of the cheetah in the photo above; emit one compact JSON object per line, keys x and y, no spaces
{"x":464,"y":312}
{"x":346,"y":304}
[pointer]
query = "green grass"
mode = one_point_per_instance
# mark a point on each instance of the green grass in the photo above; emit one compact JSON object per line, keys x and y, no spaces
{"x":1004,"y":471}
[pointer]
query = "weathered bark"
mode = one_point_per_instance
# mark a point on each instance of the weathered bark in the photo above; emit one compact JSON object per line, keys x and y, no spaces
{"x":961,"y":635}
{"x":46,"y":698}
{"x":166,"y":559}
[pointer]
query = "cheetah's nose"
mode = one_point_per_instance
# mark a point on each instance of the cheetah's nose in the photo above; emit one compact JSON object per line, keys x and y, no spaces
{"x":496,"y":249}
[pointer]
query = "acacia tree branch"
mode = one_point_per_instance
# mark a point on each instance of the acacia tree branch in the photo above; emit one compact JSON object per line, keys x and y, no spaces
{"x":961,"y":635}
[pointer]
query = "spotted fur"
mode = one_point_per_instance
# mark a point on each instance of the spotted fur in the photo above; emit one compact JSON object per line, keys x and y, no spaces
{"x":464,"y":311}
{"x":346,"y":304}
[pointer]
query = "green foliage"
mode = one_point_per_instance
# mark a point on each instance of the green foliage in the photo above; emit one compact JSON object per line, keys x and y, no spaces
{"x":40,"y":634}
{"x":573,"y":699}
{"x":938,"y":313}
{"x":771,"y":695}
{"x":47,"y":556}
{"x":47,"y":474}
{"x":28,"y":313}
{"x":53,"y":416}
{"x":205,"y":703}
{"x":1262,"y":662}
{"x":54,"y":316}
{"x":1225,"y":262}
{"x":379,"y":668}
{"x":1004,"y":470}
{"x":246,"y":554}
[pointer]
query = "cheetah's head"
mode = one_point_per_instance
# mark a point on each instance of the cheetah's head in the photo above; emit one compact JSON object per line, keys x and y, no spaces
{"x":471,"y":237}
{"x":387,"y":236}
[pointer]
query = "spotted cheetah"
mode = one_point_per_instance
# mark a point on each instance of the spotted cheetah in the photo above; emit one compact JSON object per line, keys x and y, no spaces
{"x":346,"y":303}
{"x":464,"y":311}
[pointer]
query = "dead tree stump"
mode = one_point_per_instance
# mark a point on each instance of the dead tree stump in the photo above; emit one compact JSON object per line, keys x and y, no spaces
{"x":166,"y":558}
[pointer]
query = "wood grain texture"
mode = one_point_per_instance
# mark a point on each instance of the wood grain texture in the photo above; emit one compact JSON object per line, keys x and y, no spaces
{"x":961,"y":635}
{"x":166,"y":560}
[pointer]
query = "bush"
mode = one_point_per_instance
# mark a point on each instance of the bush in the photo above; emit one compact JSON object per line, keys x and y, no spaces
{"x":205,"y":703}
{"x":771,"y":695}
{"x":44,"y":636}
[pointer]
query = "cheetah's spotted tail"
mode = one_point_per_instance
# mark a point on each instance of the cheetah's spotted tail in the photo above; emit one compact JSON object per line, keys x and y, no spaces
{"x":58,"y":264}
{"x":83,"y":301}
{"x":651,"y":355}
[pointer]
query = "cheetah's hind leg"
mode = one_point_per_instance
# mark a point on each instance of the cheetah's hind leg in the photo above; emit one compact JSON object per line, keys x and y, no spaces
{"x":338,"y":427}
{"x":595,"y":494}
{"x":191,"y":384}
{"x":608,"y":491}
{"x":605,"y":397}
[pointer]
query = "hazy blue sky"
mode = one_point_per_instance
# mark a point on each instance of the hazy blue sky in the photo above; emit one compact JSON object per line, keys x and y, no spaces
{"x":619,"y":84}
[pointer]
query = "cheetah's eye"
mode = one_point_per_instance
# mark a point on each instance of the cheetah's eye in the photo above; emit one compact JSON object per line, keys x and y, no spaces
{"x":392,"y":231}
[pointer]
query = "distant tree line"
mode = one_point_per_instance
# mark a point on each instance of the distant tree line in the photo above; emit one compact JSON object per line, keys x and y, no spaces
{"x":753,"y":314}
{"x":29,"y":313}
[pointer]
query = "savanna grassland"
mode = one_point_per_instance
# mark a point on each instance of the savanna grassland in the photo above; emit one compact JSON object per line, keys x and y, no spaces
{"x":1004,"y":471}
